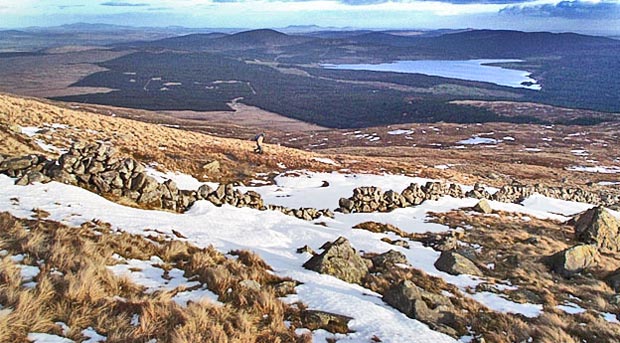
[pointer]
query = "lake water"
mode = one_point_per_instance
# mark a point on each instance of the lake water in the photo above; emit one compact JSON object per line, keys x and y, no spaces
{"x":472,"y":70}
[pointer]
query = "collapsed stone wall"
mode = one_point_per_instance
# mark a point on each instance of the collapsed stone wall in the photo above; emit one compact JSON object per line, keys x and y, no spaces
{"x":96,"y":167}
{"x":373,"y":199}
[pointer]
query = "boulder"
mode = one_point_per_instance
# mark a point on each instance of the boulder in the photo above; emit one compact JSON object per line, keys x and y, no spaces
{"x":388,"y":259}
{"x":483,"y":207}
{"x":454,"y":263}
{"x":598,"y":226}
{"x":331,"y":322}
{"x":573,"y":260}
{"x":433,"y":309}
{"x":212,"y":167}
{"x":340,"y":260}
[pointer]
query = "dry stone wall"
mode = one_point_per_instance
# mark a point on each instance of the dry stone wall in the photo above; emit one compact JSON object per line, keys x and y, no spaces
{"x":373,"y":199}
{"x":96,"y":167}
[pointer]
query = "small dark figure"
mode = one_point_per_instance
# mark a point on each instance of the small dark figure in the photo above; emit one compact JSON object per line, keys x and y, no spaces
{"x":259,"y":140}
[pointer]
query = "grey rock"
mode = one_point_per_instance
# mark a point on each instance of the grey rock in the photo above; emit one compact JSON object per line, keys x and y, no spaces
{"x":204,"y":191}
{"x":388,"y":259}
{"x":331,"y":322}
{"x":339,"y":259}
{"x":573,"y":260}
{"x":18,"y":163}
{"x":433,"y":309}
{"x":598,"y":226}
{"x":454,"y":263}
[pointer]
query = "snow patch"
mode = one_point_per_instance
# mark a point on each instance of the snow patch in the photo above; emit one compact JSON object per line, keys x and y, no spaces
{"x":47,"y":338}
{"x":499,"y":304}
{"x":183,"y":181}
{"x":478,"y":140}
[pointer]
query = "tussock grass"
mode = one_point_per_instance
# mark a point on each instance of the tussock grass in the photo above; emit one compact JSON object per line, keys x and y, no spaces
{"x":75,"y":287}
{"x":516,"y":248}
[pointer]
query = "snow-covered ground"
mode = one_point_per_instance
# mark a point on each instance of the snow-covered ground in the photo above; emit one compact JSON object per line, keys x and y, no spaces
{"x":276,"y":237}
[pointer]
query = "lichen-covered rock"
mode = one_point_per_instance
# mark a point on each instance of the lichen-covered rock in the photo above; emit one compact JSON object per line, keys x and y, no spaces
{"x":454,"y":263}
{"x":340,"y":260}
{"x":598,"y":226}
{"x":433,"y":309}
{"x":327,"y":321}
{"x":388,"y":260}
{"x":573,"y":260}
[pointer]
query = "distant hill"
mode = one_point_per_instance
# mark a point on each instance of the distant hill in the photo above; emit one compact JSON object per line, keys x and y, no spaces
{"x":382,"y":38}
{"x":263,"y":38}
{"x":514,"y":44}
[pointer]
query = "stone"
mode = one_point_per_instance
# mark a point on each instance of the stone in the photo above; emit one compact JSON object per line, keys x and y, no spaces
{"x":204,"y":191}
{"x":220,"y":192}
{"x":137,"y":181}
{"x":454,"y":263}
{"x":346,"y":204}
{"x":340,"y":260}
{"x":430,"y":308}
{"x":149,"y":185}
{"x":483,"y":207}
{"x":388,"y":260}
{"x":102,"y":186}
{"x":613,"y":280}
{"x":62,"y":176}
{"x":31,"y":177}
{"x":250,"y":284}
{"x":18,"y":163}
{"x":573,"y":260}
{"x":96,"y":167}
{"x":212,"y":167}
{"x":285,"y":288}
{"x":598,"y":226}
{"x":331,"y":322}
{"x":172,"y":188}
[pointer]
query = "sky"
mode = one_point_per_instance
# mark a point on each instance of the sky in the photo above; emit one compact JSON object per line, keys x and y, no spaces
{"x":585,"y":16}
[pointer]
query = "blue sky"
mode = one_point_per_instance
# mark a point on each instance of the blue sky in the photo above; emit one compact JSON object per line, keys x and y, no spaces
{"x":589,"y":16}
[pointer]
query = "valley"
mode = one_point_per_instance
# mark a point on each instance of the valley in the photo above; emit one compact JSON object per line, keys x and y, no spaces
{"x":470,"y":197}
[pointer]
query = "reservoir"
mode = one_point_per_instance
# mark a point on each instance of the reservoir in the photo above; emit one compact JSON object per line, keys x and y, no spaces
{"x":471,"y":70}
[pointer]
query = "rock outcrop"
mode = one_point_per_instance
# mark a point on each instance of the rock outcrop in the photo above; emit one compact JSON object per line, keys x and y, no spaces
{"x":339,"y":259}
{"x":454,"y":263}
{"x":597,"y":226}
{"x":573,"y":260}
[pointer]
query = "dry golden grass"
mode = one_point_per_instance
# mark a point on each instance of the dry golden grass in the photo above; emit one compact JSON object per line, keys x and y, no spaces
{"x":172,"y":148}
{"x":506,"y":241}
{"x":74,"y":286}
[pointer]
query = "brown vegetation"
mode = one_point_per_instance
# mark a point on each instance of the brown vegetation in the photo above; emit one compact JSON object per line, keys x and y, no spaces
{"x":75,"y":287}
